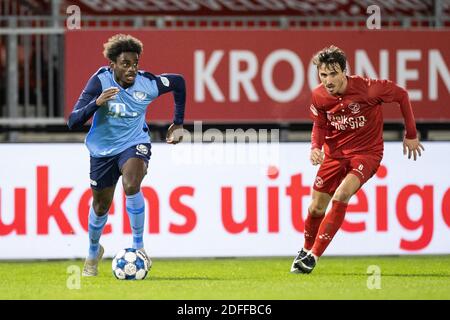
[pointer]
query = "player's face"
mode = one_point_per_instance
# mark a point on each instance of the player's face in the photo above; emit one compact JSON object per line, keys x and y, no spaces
{"x":125,"y":68}
{"x":333,"y":78}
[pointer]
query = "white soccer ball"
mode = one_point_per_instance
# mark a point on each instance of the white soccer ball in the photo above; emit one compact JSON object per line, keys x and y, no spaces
{"x":131,"y":264}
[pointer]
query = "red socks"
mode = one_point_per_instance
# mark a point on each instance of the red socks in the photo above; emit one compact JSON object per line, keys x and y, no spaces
{"x":329,"y":226}
{"x":311,"y":227}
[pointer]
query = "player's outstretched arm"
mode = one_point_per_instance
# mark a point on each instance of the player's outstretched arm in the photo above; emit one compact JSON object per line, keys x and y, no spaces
{"x":388,"y":92}
{"x":107,"y":95}
{"x":174,"y":83}
{"x":86,"y":104}
{"x":317,"y":140}
{"x":412,"y":147}
{"x":316,"y":156}
{"x":174,"y":134}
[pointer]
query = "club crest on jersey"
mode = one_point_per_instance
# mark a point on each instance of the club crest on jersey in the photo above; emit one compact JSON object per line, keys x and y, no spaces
{"x":139,"y":95}
{"x":354,"y":107}
{"x":142,"y":148}
{"x":313,"y":110}
{"x":319,"y":182}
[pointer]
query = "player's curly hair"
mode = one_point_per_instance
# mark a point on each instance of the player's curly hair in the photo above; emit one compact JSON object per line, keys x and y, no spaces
{"x":121,"y":43}
{"x":330,"y":56}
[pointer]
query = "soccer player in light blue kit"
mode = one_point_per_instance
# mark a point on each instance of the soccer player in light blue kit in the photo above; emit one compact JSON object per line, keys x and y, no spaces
{"x":117,"y":97}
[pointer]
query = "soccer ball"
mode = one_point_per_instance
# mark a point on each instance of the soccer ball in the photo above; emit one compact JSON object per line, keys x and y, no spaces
{"x":130,"y":264}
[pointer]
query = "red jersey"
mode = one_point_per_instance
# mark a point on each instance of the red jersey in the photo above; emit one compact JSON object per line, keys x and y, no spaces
{"x":352,"y":123}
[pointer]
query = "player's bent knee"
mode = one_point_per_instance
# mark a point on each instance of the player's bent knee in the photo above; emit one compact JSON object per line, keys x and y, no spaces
{"x":101,"y":208}
{"x":316,"y":211}
{"x":131,"y":188}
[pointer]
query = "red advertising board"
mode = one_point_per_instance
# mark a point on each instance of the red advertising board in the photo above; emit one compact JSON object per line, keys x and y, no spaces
{"x":267,"y":76}
{"x":255,"y":7}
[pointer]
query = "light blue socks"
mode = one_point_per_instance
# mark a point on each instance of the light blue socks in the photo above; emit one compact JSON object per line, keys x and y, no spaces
{"x":95,"y":229}
{"x":136,"y":209}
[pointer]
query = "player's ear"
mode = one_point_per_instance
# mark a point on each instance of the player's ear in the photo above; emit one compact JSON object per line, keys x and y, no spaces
{"x":112,"y":64}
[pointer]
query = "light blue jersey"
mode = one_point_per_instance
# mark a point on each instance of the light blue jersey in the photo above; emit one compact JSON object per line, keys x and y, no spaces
{"x":120,"y":123}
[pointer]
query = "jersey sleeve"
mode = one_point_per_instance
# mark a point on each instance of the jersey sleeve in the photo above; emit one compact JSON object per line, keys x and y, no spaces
{"x":172,"y":83}
{"x":85,"y":106}
{"x":388,"y":91}
{"x":319,"y":125}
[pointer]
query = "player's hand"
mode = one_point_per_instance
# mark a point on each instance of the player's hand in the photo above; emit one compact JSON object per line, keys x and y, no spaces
{"x":316,"y":156}
{"x":106,"y":95}
{"x":412,"y":146}
{"x":174,"y":134}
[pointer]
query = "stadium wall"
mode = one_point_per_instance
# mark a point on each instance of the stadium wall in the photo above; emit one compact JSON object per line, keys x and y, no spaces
{"x":220,"y":200}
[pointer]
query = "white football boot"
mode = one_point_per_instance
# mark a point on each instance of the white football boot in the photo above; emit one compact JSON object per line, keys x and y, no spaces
{"x":91,"y":265}
{"x":146,"y":257}
{"x":295,"y":264}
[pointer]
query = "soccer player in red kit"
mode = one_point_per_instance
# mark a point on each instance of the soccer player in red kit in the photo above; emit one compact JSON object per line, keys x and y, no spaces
{"x":348,"y":124}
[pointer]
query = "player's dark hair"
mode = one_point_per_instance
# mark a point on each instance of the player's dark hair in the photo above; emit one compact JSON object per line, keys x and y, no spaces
{"x":121,"y":43}
{"x":330,"y":56}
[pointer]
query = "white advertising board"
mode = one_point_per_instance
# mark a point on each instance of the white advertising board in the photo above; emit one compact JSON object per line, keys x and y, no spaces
{"x":220,"y":200}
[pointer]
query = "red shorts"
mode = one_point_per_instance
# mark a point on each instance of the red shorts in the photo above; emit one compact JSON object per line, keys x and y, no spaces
{"x":333,"y":171}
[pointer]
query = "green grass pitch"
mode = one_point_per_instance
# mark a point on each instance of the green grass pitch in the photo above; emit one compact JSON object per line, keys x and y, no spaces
{"x":404,"y":277}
